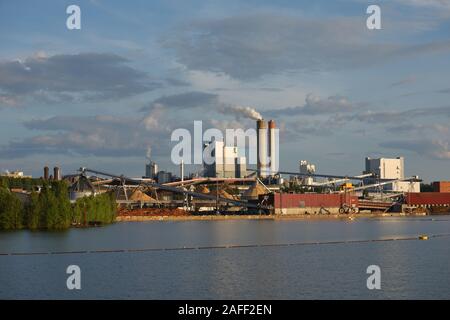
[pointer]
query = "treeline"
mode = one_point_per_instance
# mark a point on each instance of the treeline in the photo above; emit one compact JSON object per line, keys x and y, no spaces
{"x":51,"y":208}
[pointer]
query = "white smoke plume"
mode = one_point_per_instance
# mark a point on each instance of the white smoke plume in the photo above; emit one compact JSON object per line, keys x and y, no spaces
{"x":241,"y":111}
{"x":149,"y":153}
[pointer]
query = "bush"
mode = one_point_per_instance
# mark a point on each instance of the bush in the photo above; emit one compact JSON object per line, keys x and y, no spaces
{"x":101,"y":208}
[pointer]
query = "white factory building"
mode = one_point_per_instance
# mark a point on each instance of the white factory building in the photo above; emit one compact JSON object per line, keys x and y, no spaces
{"x":226,"y":164}
{"x":307,"y":168}
{"x":151,"y":170}
{"x":390,"y":169}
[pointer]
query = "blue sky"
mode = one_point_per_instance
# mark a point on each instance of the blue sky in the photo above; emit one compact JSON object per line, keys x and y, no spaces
{"x":103,"y":95}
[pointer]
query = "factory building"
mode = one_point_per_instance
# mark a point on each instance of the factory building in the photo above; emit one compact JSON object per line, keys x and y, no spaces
{"x":226,"y":164}
{"x":307,"y":168}
{"x":164,"y":177}
{"x":390,"y":169}
{"x":312,"y":203}
{"x":14,"y":174}
{"x":151,"y":170}
{"x":386,"y":168}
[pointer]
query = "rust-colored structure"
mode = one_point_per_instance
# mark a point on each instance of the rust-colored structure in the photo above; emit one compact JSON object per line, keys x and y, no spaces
{"x":301,"y":203}
{"x":441,"y":186}
{"x":427,"y":199}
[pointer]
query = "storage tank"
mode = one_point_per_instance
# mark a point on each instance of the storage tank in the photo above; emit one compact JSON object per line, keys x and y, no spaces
{"x":46,"y":173}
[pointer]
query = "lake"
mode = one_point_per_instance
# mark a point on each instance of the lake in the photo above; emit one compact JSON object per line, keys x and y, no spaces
{"x":276,"y":260}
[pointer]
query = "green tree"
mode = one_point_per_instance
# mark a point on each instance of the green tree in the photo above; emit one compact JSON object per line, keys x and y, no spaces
{"x":33,"y":211}
{"x":11,"y":211}
{"x":4,"y":183}
{"x":61,"y":192}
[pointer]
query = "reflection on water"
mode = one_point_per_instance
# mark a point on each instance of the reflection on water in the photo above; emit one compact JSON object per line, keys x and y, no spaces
{"x":410,"y":269}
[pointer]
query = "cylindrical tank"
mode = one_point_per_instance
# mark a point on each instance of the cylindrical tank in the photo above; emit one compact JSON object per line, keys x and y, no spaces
{"x":272,"y":148}
{"x":261,"y":128}
{"x":46,"y":173}
{"x":56,"y":173}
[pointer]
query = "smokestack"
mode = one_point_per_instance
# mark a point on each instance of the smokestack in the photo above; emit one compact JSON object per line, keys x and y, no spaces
{"x":261,"y":128}
{"x":182,"y":170}
{"x":56,"y":173}
{"x":272,"y":148}
{"x":46,"y":172}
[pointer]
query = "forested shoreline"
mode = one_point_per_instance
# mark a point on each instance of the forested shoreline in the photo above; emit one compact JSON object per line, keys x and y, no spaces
{"x":50,"y":208}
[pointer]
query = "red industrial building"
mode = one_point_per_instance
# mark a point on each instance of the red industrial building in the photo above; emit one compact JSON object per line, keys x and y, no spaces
{"x":313,"y":203}
{"x":426,"y":199}
{"x":317,"y":203}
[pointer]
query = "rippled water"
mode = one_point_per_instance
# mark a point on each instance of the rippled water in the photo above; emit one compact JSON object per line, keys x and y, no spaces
{"x":409,"y":268}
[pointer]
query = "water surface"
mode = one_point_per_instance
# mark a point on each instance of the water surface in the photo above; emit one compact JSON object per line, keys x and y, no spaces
{"x":410,"y":268}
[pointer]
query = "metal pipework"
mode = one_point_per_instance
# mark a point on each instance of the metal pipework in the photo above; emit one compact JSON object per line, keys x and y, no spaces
{"x":174,"y":189}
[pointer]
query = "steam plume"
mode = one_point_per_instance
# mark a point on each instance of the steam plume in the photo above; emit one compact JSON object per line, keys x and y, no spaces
{"x":241,"y":111}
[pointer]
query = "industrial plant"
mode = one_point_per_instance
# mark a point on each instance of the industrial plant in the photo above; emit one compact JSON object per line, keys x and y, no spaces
{"x":227,"y":186}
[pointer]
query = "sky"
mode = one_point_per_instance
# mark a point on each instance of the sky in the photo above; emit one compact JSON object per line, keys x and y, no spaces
{"x":109,"y":95}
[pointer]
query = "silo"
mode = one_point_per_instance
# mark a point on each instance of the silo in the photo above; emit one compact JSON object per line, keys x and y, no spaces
{"x":261,"y":128}
{"x":46,"y":173}
{"x":272,"y":148}
{"x":56,"y":173}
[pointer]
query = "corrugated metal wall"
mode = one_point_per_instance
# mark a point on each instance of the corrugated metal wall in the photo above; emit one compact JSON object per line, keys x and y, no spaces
{"x":317,"y":200}
{"x":427,"y":198}
{"x":441,"y":186}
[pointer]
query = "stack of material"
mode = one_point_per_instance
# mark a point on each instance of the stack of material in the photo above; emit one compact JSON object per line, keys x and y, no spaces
{"x":202,"y":189}
{"x":152,"y":212}
{"x":138,"y":195}
{"x":223,"y":194}
{"x":254,"y":191}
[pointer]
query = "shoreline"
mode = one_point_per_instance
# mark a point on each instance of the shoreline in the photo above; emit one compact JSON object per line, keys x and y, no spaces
{"x":132,"y":218}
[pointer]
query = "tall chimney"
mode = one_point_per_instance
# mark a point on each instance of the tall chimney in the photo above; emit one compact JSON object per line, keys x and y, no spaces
{"x":182,"y":170}
{"x":261,"y":128}
{"x":46,"y":172}
{"x":272,"y":148}
{"x":56,"y":173}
